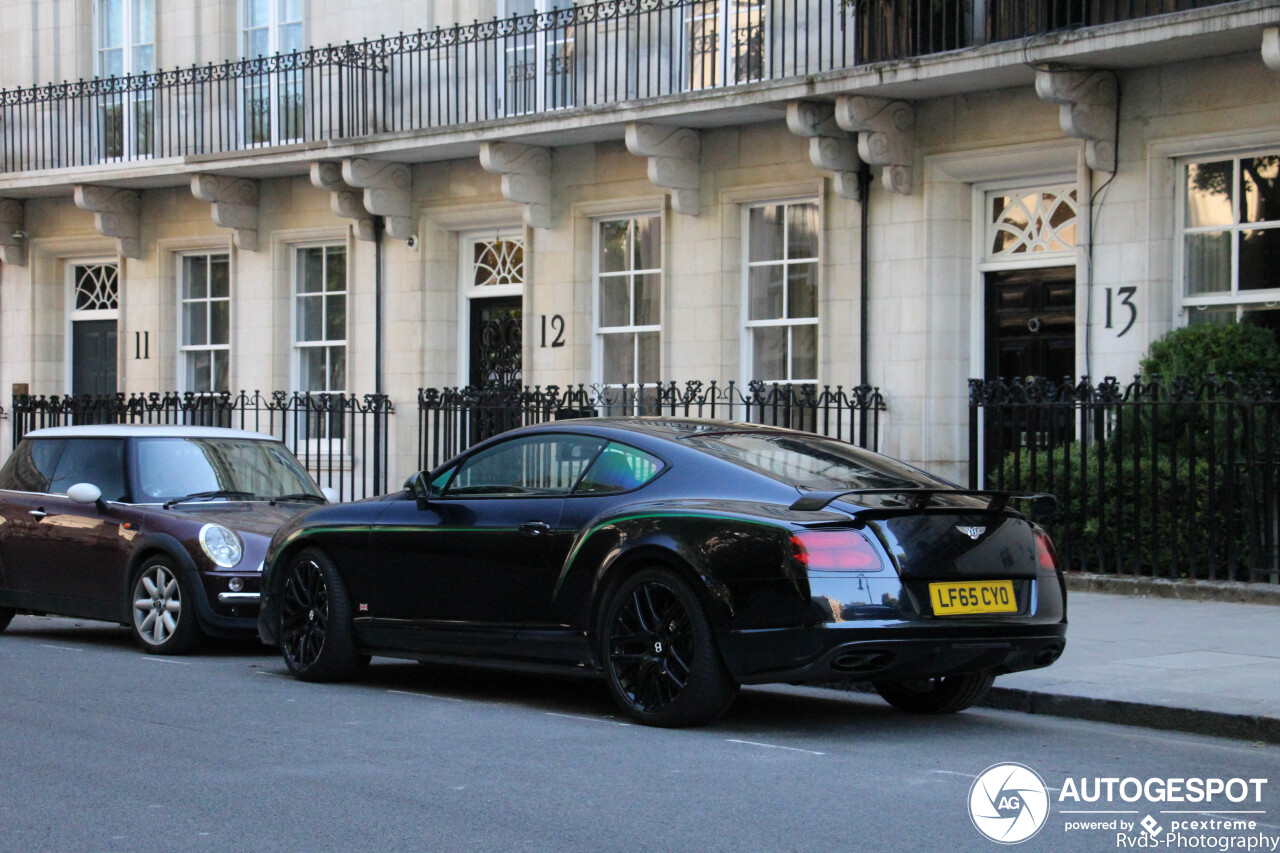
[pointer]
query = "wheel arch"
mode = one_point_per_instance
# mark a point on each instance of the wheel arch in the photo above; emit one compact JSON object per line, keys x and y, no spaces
{"x":160,"y":544}
{"x":645,"y":555}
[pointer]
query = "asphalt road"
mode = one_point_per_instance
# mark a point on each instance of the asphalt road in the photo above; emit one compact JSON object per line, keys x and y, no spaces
{"x":103,"y":748}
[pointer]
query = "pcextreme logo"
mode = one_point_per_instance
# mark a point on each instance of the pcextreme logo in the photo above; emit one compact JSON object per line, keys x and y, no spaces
{"x":1008,"y":803}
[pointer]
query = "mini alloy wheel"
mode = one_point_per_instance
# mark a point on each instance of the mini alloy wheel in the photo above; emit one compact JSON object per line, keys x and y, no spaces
{"x":316,"y":637}
{"x":663,"y":665}
{"x":161,"y":601}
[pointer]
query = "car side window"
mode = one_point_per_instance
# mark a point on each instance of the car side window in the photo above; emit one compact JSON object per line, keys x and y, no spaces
{"x":536,"y":465}
{"x":99,"y":461}
{"x":31,"y":465}
{"x":619,"y":468}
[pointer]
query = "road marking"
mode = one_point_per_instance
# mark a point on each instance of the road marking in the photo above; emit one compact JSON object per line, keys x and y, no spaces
{"x":427,"y":695}
{"x":162,"y":660}
{"x":61,"y":648}
{"x":586,"y":719}
{"x":775,"y":746}
{"x":276,"y":674}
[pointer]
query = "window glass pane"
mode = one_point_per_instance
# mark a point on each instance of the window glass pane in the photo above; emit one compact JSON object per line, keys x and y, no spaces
{"x":1260,"y":189}
{"x":221,"y":370}
{"x":111,"y":18}
{"x":219,"y":321}
{"x":31,"y":465}
{"x":195,"y":330}
{"x":804,"y":352}
{"x":219,"y":277}
{"x":648,"y":345}
{"x":619,"y":359}
{"x":172,"y":467}
{"x":619,"y":469}
{"x":143,"y":22}
{"x":614,"y":301}
{"x":802,"y":231}
{"x":648,"y":243}
{"x":99,"y":461}
{"x":112,"y":64}
{"x":195,"y":277}
{"x":335,"y":268}
{"x":311,"y":369}
{"x":198,"y":370}
{"x":258,"y":12}
{"x":310,"y":318}
{"x":769,"y":353}
{"x":765,"y":297}
{"x":290,"y":38}
{"x":337,"y":368}
{"x":647,"y":288}
{"x":1207,"y":262}
{"x":613,"y":246}
{"x":257,"y":42}
{"x":290,"y":10}
{"x":1209,"y":194}
{"x":765,"y":233}
{"x":335,"y":320}
{"x":310,"y":270}
{"x":545,"y":465}
{"x":1260,"y":259}
{"x":802,"y":290}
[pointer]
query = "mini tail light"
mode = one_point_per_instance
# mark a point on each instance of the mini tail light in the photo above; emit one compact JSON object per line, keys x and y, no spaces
{"x":1045,"y":555}
{"x":834,"y":551}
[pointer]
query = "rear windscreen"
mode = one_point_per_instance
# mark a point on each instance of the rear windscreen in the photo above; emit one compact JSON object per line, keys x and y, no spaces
{"x":813,"y":462}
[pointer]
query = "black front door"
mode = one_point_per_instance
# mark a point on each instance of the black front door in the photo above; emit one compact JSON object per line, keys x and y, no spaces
{"x":497,"y":350}
{"x":93,"y":357}
{"x":1031,"y":324}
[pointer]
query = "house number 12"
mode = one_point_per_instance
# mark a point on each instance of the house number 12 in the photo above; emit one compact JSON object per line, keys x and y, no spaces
{"x":557,"y":327}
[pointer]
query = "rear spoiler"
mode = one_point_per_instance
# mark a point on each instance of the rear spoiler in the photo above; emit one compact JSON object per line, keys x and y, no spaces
{"x":1043,"y":505}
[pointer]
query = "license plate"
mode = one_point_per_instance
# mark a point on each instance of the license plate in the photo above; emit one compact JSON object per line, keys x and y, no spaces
{"x":951,"y":599}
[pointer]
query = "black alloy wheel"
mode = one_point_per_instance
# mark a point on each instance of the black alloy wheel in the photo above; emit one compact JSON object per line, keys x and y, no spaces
{"x":945,"y":695}
{"x":316,"y":636}
{"x":660,"y":655}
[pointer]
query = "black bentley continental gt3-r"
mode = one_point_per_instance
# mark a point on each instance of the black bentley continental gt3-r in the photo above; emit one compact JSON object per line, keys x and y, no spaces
{"x":676,"y":559}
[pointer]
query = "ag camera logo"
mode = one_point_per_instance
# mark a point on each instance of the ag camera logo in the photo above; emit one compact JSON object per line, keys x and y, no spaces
{"x":1008,"y":803}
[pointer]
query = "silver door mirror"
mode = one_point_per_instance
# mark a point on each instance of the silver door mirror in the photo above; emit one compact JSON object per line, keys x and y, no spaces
{"x":330,"y":495}
{"x":87,"y":493}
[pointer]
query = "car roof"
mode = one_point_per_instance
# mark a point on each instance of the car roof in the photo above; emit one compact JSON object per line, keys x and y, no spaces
{"x":669,"y":428}
{"x":147,"y":431}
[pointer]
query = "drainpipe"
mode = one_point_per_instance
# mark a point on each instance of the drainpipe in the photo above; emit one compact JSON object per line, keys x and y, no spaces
{"x":864,"y":274}
{"x":378,"y":227}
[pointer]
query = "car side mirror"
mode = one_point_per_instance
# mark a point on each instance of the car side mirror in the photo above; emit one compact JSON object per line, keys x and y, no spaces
{"x":87,"y":493}
{"x":420,"y":488}
{"x":330,"y":495}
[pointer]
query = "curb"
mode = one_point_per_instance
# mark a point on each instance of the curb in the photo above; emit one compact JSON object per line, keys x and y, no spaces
{"x":1189,"y":590}
{"x":1248,"y":727}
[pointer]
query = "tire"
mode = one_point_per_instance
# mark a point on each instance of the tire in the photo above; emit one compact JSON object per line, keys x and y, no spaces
{"x":6,"y":616}
{"x":316,"y":635}
{"x":659,"y":653}
{"x":163,"y":609}
{"x":945,"y":695}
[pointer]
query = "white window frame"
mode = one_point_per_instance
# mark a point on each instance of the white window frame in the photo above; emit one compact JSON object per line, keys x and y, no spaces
{"x":1240,"y":300}
{"x":94,"y":314}
{"x":545,"y":46}
{"x":467,"y":289}
{"x":598,"y":332}
{"x":748,"y":350}
{"x":185,"y":349}
{"x":128,"y":101}
{"x":273,"y":84}
{"x":295,"y":294}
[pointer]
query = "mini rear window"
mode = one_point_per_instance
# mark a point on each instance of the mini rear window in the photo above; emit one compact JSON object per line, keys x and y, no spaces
{"x":812,"y":462}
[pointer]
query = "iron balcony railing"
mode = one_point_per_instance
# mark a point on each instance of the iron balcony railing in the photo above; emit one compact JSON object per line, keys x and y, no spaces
{"x":1163,"y":479}
{"x":452,"y":419}
{"x":584,"y":55}
{"x":341,"y":439}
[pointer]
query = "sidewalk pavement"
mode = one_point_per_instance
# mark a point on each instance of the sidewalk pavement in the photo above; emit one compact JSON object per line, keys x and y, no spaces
{"x":1208,"y":667}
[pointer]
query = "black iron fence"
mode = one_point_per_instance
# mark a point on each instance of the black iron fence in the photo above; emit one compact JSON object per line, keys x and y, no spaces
{"x":582,"y":55}
{"x":341,"y":439}
{"x":1163,"y":479}
{"x":452,"y":419}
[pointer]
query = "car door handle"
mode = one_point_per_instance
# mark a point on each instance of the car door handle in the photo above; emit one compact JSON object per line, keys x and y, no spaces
{"x":534,"y":528}
{"x":38,"y":513}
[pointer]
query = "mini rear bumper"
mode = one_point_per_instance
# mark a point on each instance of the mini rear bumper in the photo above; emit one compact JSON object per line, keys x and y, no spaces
{"x":817,"y":655}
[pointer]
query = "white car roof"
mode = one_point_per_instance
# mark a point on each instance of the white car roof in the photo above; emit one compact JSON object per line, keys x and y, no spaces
{"x":146,"y":430}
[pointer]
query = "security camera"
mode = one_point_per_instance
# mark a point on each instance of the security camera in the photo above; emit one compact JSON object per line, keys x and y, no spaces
{"x":19,"y":234}
{"x":412,"y":242}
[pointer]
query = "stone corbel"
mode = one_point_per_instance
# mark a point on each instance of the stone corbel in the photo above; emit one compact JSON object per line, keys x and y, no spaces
{"x":1087,"y":110}
{"x":234,"y":205}
{"x":116,"y":213}
{"x":885,"y":139}
{"x":1271,"y":48}
{"x":526,"y":177}
{"x":831,"y":149}
{"x":13,"y":240}
{"x":673,"y":154}
{"x":344,"y":201}
{"x":387,"y":192}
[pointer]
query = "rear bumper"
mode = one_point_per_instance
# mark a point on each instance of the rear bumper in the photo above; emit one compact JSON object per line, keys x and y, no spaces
{"x":818,"y":655}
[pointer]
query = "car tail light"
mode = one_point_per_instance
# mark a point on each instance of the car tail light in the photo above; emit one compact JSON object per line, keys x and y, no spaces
{"x":834,"y":551}
{"x":1045,"y":555}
